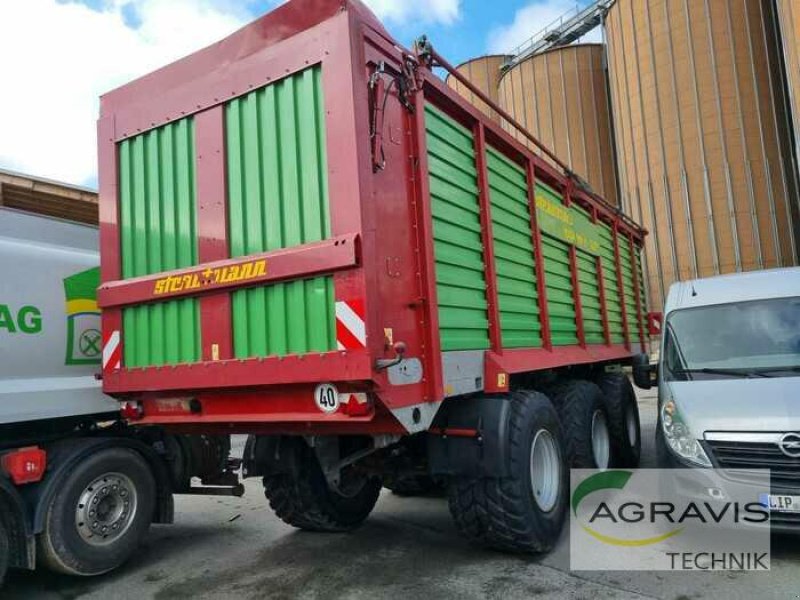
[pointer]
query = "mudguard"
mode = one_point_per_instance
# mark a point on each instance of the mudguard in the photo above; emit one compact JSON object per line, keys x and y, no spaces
{"x":469,"y":437}
{"x":263,"y":455}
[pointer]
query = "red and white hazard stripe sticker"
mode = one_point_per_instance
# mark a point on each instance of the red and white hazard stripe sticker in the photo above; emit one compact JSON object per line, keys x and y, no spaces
{"x":112,"y":352}
{"x":351,"y":331}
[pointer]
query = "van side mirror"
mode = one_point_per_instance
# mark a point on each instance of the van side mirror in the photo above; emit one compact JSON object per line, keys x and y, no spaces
{"x":644,"y":374}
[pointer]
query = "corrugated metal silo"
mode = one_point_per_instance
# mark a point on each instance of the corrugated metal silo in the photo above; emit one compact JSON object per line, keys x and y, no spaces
{"x":700,"y":131}
{"x":484,"y":73}
{"x":789,"y":12}
{"x":561,"y":97}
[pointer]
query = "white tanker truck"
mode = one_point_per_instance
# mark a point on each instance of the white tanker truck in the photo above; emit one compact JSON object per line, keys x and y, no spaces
{"x":78,"y":489}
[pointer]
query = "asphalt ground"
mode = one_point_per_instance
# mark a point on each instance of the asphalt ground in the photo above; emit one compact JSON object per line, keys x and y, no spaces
{"x":237,"y":549}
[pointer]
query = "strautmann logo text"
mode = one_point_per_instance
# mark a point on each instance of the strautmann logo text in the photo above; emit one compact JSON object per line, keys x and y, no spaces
{"x":653,"y":519}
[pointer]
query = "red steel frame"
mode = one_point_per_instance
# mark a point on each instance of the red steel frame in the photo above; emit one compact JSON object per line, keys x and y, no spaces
{"x":274,"y":393}
{"x":493,"y":305}
{"x":215,"y":309}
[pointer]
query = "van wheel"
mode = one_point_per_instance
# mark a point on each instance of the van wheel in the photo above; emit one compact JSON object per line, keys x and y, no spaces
{"x":525,"y":511}
{"x":4,"y":552}
{"x":98,"y":516}
{"x":623,"y":419}
{"x":302,"y":497}
{"x":585,"y":422}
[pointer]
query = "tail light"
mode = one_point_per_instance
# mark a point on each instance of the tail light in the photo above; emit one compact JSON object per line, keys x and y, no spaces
{"x":26,"y":465}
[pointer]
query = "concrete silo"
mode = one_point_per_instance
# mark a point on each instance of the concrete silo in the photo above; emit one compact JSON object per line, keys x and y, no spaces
{"x":484,"y":73}
{"x":704,"y":156}
{"x":561,"y":97}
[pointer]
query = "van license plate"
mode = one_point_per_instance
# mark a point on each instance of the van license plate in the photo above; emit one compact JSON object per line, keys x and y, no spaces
{"x":783,"y":503}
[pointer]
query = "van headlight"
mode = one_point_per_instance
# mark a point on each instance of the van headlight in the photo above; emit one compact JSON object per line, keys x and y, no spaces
{"x":679,"y":438}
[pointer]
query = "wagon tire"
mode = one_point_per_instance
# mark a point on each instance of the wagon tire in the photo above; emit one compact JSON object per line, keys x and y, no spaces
{"x":523,"y":512}
{"x":623,"y":419}
{"x":416,"y":485}
{"x":112,"y":489}
{"x":585,"y":421}
{"x":302,"y":497}
{"x":4,"y":552}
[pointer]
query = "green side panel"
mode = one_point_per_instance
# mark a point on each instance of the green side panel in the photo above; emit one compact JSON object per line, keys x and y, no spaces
{"x":591,"y":307}
{"x":628,"y":285}
{"x":572,"y":225}
{"x":558,"y":278}
{"x":638,"y":252}
{"x":560,"y":301}
{"x":158,"y":228}
{"x":613,"y":303}
{"x":513,"y":253}
{"x":588,"y":280}
{"x":458,"y":251}
{"x":278,"y":198}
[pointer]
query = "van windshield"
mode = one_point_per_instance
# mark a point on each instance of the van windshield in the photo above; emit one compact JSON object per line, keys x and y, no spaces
{"x":746,"y":339}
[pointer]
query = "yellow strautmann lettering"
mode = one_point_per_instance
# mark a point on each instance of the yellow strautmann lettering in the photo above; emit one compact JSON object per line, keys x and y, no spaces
{"x":229,"y":274}
{"x":553,"y":209}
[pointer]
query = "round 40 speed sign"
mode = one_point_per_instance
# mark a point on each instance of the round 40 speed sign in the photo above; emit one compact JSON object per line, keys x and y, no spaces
{"x":327,"y":397}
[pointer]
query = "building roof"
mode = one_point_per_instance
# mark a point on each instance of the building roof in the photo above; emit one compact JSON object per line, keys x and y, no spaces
{"x":47,"y":197}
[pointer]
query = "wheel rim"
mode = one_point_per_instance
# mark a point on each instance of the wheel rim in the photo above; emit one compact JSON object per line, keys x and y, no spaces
{"x":545,"y":470}
{"x":632,"y":426}
{"x":106,"y":509}
{"x":601,"y":446}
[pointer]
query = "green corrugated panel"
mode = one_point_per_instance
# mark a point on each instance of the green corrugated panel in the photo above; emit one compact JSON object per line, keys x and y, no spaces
{"x":589,"y":286}
{"x":613,"y":304}
{"x":590,"y":298}
{"x":628,"y":285}
{"x":460,"y":280}
{"x":513,"y":253}
{"x":560,"y":300}
{"x":159,"y":233}
{"x":278,"y":198}
{"x":558,"y":280}
{"x":638,"y":252}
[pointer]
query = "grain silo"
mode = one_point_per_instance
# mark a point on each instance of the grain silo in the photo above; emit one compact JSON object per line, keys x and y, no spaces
{"x":789,"y":12}
{"x":700,"y":128}
{"x":484,"y":73}
{"x":561,"y":97}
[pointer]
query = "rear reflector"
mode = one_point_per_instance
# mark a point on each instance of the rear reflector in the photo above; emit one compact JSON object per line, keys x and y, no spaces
{"x":355,"y":405}
{"x":26,"y":465}
{"x":131,"y":411}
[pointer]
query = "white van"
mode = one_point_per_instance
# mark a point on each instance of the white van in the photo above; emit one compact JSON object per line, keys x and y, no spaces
{"x":729,"y":380}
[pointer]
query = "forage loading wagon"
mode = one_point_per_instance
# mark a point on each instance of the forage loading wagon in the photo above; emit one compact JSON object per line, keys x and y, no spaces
{"x":307,"y":237}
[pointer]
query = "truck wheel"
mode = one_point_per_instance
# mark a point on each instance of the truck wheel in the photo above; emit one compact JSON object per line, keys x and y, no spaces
{"x":302,"y":498}
{"x":416,"y":485}
{"x":623,"y":419}
{"x":525,"y":511}
{"x":585,"y":422}
{"x":4,"y":552}
{"x":98,"y":516}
